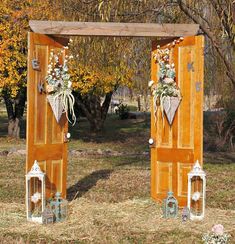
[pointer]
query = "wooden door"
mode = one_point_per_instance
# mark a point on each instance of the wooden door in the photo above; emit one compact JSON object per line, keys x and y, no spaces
{"x":177,"y":147}
{"x":45,"y":137}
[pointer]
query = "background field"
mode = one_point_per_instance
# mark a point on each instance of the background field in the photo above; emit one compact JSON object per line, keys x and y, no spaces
{"x":108,"y":191}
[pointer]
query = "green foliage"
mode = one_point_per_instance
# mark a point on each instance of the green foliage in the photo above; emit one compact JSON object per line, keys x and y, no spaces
{"x":123,"y":111}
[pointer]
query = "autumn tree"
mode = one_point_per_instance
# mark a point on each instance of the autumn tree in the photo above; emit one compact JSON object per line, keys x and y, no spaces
{"x":14,"y":16}
{"x":107,"y":63}
{"x":13,"y":27}
{"x":97,"y":71}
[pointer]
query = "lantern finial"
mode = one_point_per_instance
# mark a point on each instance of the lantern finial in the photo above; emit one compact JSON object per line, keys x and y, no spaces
{"x":197,"y":170}
{"x":35,"y":170}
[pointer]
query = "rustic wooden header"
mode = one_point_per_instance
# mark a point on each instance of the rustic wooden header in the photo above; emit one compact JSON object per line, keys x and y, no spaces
{"x":113,"y":29}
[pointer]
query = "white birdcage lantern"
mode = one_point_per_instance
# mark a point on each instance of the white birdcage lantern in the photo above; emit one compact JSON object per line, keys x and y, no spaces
{"x":196,"y":192}
{"x":35,"y":193}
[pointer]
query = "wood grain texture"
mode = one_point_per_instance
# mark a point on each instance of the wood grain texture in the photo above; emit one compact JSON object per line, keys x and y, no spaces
{"x":112,"y":29}
{"x":45,"y":137}
{"x":179,"y":146}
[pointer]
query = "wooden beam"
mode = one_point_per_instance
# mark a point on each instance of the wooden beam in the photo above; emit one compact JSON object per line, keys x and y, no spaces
{"x":113,"y":29}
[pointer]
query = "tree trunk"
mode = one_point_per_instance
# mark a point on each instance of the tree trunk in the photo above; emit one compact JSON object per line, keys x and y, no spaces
{"x":94,"y":111}
{"x":15,"y":110}
{"x":14,"y":128}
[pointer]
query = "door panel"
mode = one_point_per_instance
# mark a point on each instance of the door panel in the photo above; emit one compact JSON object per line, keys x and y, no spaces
{"x":45,"y":137}
{"x":177,"y":147}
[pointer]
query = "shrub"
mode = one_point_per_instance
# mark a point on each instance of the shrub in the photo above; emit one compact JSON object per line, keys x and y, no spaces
{"x":219,"y":131}
{"x":123,"y":111}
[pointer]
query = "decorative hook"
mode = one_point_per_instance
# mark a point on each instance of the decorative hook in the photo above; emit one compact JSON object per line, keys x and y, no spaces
{"x":36,"y":64}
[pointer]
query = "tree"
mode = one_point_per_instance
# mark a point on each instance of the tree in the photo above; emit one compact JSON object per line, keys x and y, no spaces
{"x":14,"y":16}
{"x":215,"y":18}
{"x":96,"y":77}
{"x":108,"y":62}
{"x":13,"y":64}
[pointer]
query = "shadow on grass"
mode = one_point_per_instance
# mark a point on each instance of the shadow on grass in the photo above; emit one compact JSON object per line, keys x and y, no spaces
{"x":86,"y":183}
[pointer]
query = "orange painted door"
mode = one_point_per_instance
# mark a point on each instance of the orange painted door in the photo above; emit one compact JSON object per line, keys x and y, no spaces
{"x":177,"y":147}
{"x":45,"y":137}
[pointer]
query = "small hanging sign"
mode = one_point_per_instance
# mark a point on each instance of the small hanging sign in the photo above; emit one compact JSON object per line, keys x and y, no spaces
{"x":190,"y":66}
{"x":40,"y":87}
{"x":36,"y":64}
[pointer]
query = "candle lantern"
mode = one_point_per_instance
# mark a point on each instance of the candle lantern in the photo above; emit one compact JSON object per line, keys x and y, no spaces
{"x":35,"y":193}
{"x":196,"y":192}
{"x":59,"y":207}
{"x":170,"y":206}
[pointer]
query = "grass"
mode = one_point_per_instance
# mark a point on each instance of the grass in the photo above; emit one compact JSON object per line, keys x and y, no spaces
{"x":109,"y":198}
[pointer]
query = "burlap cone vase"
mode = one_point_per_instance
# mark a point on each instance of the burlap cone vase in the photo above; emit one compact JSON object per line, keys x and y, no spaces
{"x":170,"y":106}
{"x":56,"y":105}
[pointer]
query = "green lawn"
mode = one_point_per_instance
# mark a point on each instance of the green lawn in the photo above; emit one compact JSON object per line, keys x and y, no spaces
{"x":109,"y":192}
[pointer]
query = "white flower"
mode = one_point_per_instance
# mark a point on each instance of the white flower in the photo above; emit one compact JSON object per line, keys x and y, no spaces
{"x":168,"y":80}
{"x":196,"y":195}
{"x":66,"y":47}
{"x":36,"y":197}
{"x":168,"y":66}
{"x":69,"y":84}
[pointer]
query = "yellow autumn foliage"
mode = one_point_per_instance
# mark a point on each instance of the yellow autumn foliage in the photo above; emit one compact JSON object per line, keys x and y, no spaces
{"x":87,"y":79}
{"x":100,"y":65}
{"x":12,"y":48}
{"x":14,"y":17}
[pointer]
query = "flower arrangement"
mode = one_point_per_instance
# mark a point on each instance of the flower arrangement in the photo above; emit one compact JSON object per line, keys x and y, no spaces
{"x":166,"y":87}
{"x":59,"y":86}
{"x":216,"y":236}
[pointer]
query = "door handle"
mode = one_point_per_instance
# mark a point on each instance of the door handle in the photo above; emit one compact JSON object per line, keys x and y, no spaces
{"x":151,"y":142}
{"x":67,"y":136}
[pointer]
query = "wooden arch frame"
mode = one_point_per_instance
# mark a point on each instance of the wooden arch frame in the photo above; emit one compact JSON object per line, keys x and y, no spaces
{"x":65,"y":28}
{"x":173,"y":170}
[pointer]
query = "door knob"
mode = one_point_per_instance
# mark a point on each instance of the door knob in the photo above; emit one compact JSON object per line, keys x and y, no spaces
{"x":151,"y":142}
{"x":67,"y":136}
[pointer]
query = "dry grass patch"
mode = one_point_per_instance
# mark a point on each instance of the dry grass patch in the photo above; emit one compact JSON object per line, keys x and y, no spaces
{"x":131,"y":221}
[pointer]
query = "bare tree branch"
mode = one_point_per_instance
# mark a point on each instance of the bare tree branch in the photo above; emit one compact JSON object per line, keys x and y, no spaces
{"x":197,"y":19}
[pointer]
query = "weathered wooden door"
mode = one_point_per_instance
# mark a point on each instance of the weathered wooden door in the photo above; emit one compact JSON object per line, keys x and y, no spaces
{"x":45,"y":137}
{"x":177,"y":147}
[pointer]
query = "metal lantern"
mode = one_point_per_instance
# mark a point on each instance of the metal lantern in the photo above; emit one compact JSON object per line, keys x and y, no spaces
{"x":170,"y":206}
{"x":59,"y":207}
{"x":47,"y":216}
{"x":196,"y":192}
{"x":35,"y":193}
